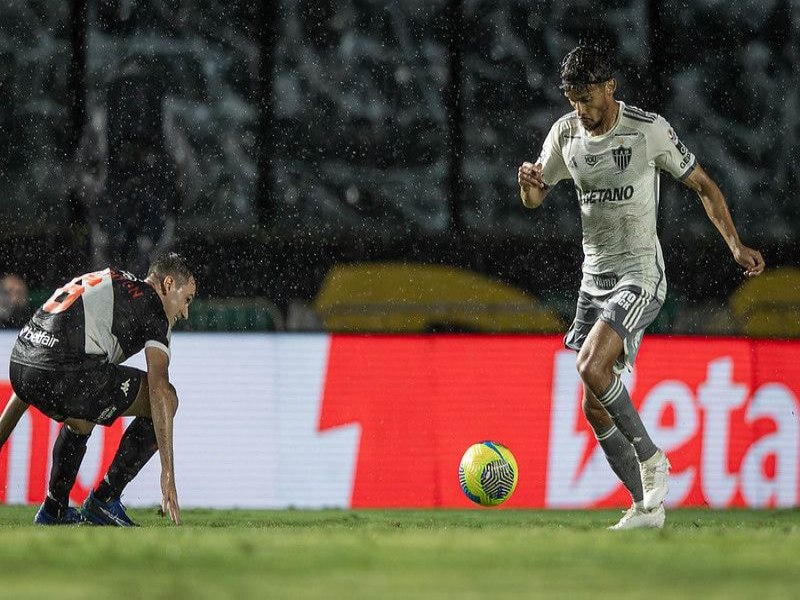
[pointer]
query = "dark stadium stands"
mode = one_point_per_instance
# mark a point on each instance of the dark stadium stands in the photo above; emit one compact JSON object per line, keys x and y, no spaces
{"x":308,"y":133}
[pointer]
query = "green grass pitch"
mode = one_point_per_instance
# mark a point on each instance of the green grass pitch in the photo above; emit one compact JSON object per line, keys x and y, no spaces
{"x":434,"y":554}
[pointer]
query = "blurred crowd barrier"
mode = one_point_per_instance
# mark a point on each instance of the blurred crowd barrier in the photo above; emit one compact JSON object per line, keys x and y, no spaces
{"x":361,"y":121}
{"x":397,"y":297}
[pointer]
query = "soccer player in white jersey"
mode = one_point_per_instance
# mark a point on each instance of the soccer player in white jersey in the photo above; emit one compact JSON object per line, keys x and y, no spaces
{"x":614,"y":154}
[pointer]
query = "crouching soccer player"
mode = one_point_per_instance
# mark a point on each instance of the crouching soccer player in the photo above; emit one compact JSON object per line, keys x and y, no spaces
{"x":614,"y":154}
{"x":66,"y":363}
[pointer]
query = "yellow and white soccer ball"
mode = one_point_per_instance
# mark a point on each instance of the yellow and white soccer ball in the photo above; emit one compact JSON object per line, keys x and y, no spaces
{"x":488,"y":473}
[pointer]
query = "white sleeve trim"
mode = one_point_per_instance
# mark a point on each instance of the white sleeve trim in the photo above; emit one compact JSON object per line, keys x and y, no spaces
{"x":159,"y":345}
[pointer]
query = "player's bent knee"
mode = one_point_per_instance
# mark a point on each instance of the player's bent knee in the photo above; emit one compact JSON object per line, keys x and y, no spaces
{"x":587,"y":368}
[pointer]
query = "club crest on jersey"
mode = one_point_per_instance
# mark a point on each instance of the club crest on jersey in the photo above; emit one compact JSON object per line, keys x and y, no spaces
{"x":591,"y":159}
{"x":622,"y":157}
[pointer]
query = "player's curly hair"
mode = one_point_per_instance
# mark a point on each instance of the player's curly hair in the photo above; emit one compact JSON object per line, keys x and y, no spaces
{"x":171,"y":263}
{"x":585,"y":65}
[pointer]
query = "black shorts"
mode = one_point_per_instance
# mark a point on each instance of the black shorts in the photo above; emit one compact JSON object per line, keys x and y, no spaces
{"x":98,"y":394}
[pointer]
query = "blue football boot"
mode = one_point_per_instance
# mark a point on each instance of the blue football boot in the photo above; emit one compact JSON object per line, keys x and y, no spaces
{"x":97,"y":512}
{"x":71,"y":516}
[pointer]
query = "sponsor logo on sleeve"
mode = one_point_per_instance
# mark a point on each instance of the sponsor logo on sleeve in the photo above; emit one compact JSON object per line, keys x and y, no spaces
{"x":38,"y":337}
{"x":673,"y":137}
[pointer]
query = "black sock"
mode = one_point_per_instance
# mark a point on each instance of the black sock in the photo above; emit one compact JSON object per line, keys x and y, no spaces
{"x":68,"y":453}
{"x":137,"y":446}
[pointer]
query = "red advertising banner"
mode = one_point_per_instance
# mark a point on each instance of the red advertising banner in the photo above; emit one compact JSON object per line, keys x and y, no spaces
{"x":382,"y":421}
{"x":725,"y":411}
{"x":421,"y":401}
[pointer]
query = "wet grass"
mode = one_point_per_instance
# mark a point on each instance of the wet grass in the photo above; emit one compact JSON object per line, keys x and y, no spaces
{"x":404,"y":554}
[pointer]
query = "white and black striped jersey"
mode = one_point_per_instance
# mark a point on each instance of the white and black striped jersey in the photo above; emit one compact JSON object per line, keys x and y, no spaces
{"x":104,"y":316}
{"x":616,"y":178}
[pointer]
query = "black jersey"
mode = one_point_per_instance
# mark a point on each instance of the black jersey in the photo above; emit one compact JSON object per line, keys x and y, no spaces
{"x":106,"y":316}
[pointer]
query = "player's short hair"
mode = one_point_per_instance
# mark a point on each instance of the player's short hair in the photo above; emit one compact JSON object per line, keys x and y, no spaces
{"x":170,"y":263}
{"x":586,"y":65}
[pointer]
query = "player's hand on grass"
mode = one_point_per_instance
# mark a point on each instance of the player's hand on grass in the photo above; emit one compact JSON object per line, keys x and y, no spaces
{"x":169,"y":499}
{"x":750,"y":259}
{"x":530,"y":174}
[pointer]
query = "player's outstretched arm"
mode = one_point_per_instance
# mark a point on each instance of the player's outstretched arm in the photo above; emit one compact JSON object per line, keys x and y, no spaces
{"x":163,"y":406}
{"x":11,"y":415}
{"x":532,"y":188}
{"x":717,"y":210}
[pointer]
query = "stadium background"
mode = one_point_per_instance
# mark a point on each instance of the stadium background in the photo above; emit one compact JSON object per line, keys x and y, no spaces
{"x":350,"y":166}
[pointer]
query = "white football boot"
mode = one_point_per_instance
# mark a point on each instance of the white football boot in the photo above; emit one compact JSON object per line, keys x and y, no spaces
{"x":639,"y":518}
{"x":655,"y":480}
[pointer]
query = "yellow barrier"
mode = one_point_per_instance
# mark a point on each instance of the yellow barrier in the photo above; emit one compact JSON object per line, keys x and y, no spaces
{"x":769,"y":305}
{"x":400,"y":297}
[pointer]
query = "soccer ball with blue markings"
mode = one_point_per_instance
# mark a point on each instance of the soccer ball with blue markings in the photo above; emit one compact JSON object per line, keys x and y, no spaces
{"x":488,"y":473}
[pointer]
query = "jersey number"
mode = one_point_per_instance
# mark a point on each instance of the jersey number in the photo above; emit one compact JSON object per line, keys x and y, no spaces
{"x":63,"y":297}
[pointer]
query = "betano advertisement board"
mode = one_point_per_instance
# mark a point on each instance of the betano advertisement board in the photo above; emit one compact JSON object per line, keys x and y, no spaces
{"x":296,"y":420}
